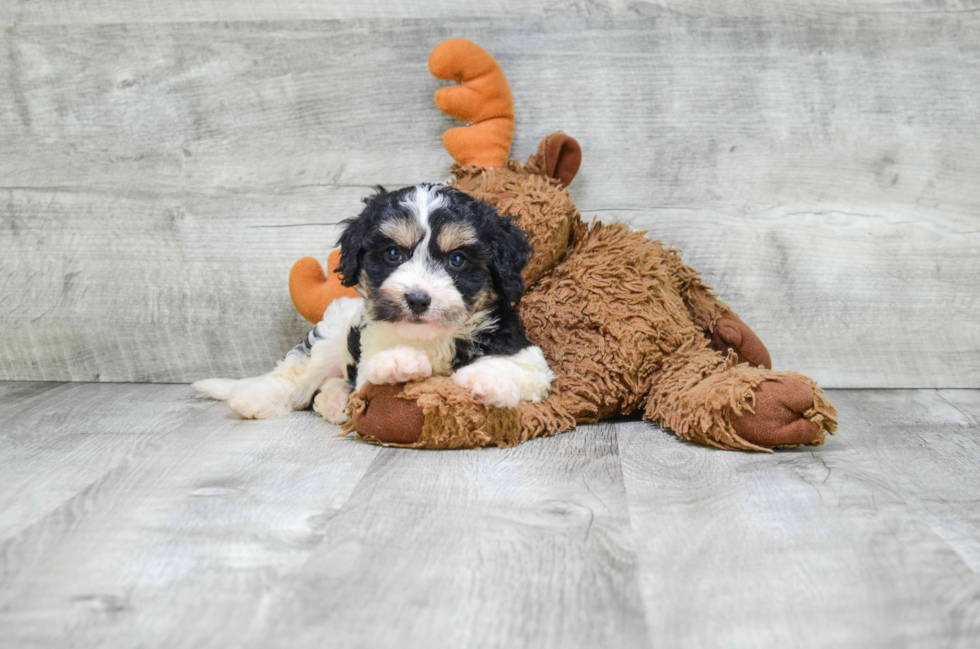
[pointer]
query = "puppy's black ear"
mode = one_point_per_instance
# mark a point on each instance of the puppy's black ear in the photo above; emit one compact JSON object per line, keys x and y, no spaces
{"x":351,"y":251}
{"x":351,"y":240}
{"x":510,"y":254}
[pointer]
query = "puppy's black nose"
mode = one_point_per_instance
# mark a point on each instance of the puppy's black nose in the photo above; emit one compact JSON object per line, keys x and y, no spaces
{"x":418,"y":302}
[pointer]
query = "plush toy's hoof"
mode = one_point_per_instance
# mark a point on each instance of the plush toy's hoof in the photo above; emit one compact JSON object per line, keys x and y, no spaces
{"x":387,"y":418}
{"x":778,"y":419}
{"x":731,"y":333}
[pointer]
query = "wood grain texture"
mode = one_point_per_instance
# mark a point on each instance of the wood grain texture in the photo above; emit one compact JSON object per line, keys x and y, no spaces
{"x":868,"y":541}
{"x":293,"y":542}
{"x":67,"y":12}
{"x":57,"y":440}
{"x":929,"y":449}
{"x":176,"y":544}
{"x":143,"y":515}
{"x":529,"y":547}
{"x":157,"y":178}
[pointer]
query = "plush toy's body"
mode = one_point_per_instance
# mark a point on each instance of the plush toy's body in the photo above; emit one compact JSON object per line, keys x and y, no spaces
{"x":624,"y":324}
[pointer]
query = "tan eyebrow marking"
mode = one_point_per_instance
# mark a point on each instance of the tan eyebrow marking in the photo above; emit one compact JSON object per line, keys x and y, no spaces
{"x":455,"y":235}
{"x":405,"y":232}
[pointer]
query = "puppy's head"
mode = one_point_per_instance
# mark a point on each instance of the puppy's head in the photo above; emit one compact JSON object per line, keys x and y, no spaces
{"x":429,"y":257}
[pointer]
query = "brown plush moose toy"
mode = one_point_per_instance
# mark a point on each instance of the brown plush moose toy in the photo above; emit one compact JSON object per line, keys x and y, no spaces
{"x":623,"y":323}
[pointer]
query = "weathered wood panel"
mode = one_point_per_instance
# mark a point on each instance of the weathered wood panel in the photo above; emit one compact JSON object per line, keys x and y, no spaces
{"x":179,"y":543}
{"x":153,"y":286}
{"x":820,"y":167}
{"x":57,"y":440}
{"x":928,"y":446}
{"x":273,"y":533}
{"x":868,"y":541}
{"x":143,"y":515}
{"x":524,"y":547}
{"x":73,"y":12}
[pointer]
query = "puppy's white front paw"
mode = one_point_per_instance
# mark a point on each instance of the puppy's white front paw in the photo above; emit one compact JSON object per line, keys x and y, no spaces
{"x":253,"y":404}
{"x":489,"y":388}
{"x":331,"y":402}
{"x":397,"y":365}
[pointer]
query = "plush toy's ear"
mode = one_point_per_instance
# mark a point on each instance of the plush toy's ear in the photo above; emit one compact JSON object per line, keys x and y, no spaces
{"x":312,"y":290}
{"x":563,"y":156}
{"x":558,"y":156}
{"x":511,"y":251}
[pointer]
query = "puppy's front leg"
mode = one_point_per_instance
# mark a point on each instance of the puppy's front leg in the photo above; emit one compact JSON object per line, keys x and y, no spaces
{"x":396,"y":365}
{"x":505,"y":381}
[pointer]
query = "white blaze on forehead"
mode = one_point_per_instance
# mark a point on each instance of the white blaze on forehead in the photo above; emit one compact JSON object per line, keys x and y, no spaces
{"x":421,"y":203}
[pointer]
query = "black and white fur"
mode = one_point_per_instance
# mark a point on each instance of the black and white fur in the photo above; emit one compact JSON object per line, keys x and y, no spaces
{"x":439,"y":272}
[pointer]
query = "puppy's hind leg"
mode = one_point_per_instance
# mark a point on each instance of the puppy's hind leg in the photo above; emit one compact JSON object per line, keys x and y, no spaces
{"x":322,"y":355}
{"x":272,"y":394}
{"x":217,"y":389}
{"x":260,"y":397}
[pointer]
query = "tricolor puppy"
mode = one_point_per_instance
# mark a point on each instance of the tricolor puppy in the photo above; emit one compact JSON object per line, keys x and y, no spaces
{"x":439,"y":272}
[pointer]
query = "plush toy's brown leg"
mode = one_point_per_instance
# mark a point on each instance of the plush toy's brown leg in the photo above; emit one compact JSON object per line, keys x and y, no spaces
{"x":724,"y":328}
{"x":436,"y":413}
{"x":708,"y":398}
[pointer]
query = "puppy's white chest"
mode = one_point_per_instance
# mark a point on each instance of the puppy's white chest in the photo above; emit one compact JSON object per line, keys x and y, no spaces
{"x":377,"y":337}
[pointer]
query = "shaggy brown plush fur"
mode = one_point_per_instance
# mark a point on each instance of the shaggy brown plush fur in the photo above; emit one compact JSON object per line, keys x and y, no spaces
{"x":625,"y":325}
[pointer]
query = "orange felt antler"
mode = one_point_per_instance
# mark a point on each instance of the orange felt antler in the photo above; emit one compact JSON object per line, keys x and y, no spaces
{"x":482,"y":99}
{"x":313,"y":290}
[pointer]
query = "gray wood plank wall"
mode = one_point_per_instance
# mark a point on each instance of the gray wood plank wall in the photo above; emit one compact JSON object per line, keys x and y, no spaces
{"x":163,"y":163}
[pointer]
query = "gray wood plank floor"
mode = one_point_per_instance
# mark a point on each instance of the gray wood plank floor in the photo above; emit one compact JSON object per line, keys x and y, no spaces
{"x":142,"y":515}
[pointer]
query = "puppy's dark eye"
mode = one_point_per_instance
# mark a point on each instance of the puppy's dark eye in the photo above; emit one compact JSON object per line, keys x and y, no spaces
{"x":393,"y":254}
{"x":457,"y":260}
